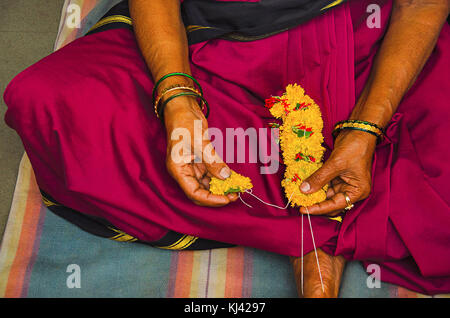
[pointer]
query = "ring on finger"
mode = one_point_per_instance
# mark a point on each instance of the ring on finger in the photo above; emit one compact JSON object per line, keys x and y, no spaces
{"x":350,"y":205}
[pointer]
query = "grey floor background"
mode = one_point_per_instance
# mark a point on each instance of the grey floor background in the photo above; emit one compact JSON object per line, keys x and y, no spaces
{"x":27,"y":34}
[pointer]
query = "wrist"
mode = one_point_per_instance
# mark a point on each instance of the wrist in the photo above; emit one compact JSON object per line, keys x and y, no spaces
{"x":366,"y":142}
{"x":378,"y":113}
{"x":173,"y":81}
{"x":368,"y":129}
{"x":180,"y":108}
{"x":173,"y":86}
{"x":180,"y":104}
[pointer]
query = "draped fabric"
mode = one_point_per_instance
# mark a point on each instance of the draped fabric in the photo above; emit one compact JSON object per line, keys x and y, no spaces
{"x":248,"y":20}
{"x":85,"y":117}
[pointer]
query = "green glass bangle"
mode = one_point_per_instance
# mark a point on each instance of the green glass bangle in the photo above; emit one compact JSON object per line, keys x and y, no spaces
{"x":161,"y":109}
{"x":336,"y":131}
{"x":174,"y":74}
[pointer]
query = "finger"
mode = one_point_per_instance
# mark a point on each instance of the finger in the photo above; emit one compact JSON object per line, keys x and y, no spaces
{"x":319,"y":178}
{"x":331,"y":206}
{"x":185,"y":176}
{"x":233,"y":196}
{"x":335,"y":187}
{"x":330,"y":192}
{"x":214,"y":163}
{"x":205,"y":181}
{"x":201,"y":175}
{"x":201,"y":196}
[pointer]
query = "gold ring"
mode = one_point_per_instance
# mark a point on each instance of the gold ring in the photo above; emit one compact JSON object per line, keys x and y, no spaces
{"x":350,"y":205}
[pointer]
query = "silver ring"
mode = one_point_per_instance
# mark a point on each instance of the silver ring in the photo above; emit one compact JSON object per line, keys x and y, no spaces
{"x":350,"y":205}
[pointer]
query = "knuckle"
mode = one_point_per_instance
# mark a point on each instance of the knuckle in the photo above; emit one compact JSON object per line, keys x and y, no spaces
{"x":366,"y":190}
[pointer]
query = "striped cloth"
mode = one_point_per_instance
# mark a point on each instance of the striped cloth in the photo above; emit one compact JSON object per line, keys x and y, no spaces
{"x":41,"y":253}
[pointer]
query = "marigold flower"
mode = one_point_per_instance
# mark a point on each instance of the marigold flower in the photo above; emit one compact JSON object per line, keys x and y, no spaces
{"x":234,"y":183}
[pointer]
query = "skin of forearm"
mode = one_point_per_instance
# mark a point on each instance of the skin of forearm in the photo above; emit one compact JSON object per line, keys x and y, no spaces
{"x":161,"y":37}
{"x":409,"y":41}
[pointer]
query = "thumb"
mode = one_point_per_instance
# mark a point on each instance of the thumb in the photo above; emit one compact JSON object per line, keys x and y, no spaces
{"x":219,"y":170}
{"x":319,"y":178}
{"x":214,"y":163}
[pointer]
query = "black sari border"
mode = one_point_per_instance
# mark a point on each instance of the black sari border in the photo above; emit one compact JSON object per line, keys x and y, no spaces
{"x":234,"y":21}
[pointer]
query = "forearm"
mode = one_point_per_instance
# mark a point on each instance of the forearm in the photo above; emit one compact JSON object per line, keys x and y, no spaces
{"x":409,"y":41}
{"x":161,"y":36}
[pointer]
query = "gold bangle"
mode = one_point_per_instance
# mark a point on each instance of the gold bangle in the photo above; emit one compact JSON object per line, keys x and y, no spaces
{"x":358,"y":125}
{"x":204,"y":102}
{"x":173,"y":88}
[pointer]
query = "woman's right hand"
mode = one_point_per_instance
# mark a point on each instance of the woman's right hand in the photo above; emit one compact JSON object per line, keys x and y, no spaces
{"x":191,"y":158}
{"x":161,"y":36}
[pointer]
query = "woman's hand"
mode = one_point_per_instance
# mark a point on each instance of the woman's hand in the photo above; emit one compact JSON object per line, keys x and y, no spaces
{"x":411,"y":36}
{"x":191,"y":159}
{"x":347,"y":171}
{"x":161,"y":35}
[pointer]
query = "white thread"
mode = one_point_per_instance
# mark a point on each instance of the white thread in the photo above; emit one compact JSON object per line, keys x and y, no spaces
{"x":244,"y":201}
{"x":315,"y":249}
{"x":301,"y":253}
{"x":249,"y":191}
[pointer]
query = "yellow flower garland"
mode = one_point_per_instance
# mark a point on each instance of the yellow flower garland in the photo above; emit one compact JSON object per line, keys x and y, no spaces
{"x":234,"y":183}
{"x":301,"y":145}
{"x":300,"y":141}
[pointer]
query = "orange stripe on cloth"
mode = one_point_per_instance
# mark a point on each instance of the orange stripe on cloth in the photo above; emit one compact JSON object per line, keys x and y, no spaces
{"x":185,"y":261}
{"x":215,"y":273}
{"x":20,"y":234}
{"x":26,"y":242}
{"x":235,"y":272}
{"x":87,"y":6}
{"x":406,"y":293}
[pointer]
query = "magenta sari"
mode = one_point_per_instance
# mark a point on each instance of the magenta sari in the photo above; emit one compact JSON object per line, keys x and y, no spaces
{"x":85,"y":117}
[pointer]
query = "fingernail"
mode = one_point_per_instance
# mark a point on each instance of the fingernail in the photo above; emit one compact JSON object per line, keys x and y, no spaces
{"x":225,"y":172}
{"x":305,"y":187}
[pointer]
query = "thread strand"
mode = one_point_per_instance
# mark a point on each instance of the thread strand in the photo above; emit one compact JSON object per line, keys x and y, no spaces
{"x":249,"y":191}
{"x":315,"y":249}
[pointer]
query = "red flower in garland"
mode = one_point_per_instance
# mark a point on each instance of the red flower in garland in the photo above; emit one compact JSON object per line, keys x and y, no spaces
{"x":296,"y":178}
{"x":302,"y":131}
{"x":274,"y":125}
{"x":301,"y":106}
{"x":285,"y":105}
{"x":303,"y":157}
{"x":269,"y":102}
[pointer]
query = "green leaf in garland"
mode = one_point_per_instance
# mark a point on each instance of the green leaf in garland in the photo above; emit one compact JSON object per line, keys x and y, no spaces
{"x":274,"y":125}
{"x":301,"y":106}
{"x":303,"y":157}
{"x":233,"y":190}
{"x":302,"y":131}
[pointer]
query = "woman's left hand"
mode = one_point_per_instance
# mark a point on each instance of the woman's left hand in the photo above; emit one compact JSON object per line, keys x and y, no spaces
{"x":347,"y":171}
